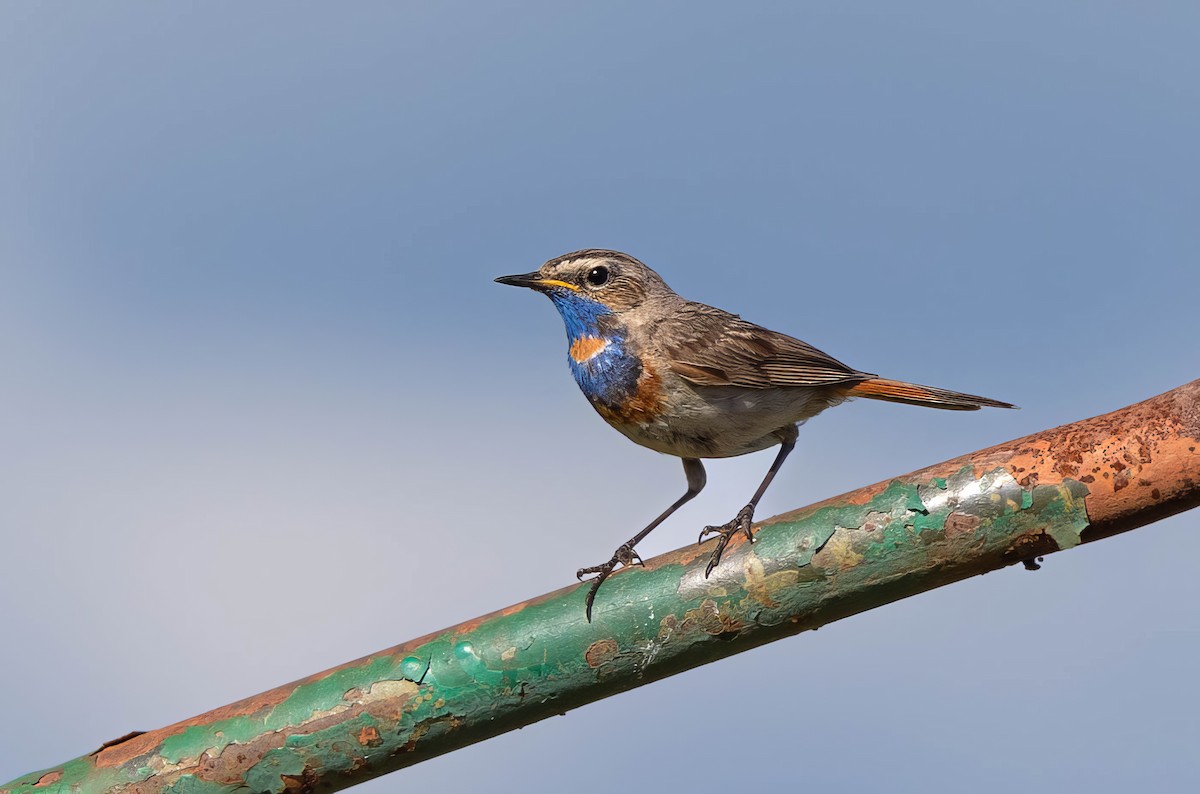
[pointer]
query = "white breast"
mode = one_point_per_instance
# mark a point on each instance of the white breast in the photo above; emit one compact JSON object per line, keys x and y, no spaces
{"x":723,"y":422}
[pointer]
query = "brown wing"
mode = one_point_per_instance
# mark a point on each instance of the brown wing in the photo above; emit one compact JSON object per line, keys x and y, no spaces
{"x":710,"y":347}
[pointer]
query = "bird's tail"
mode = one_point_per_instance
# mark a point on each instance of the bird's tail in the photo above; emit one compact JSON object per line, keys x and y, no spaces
{"x":927,"y":396}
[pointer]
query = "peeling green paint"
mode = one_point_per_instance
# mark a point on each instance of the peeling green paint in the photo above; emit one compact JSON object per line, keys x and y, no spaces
{"x":324,"y":693}
{"x":542,"y":658}
{"x":191,"y":742}
{"x":267,"y":775}
{"x":190,"y":784}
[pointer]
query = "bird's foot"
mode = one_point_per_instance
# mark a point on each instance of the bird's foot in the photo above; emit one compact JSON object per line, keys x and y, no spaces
{"x":624,"y":556}
{"x":740,"y":523}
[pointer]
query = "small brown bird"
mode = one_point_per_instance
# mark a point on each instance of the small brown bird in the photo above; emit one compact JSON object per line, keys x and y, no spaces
{"x":696,"y":382}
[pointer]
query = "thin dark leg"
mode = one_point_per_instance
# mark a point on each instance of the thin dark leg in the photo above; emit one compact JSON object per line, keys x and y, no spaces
{"x":745,"y":517}
{"x":693,"y":469}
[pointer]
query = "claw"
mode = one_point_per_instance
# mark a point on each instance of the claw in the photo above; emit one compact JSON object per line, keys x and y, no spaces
{"x":715,"y":559}
{"x":740,"y":523}
{"x":591,"y":594}
{"x":746,"y":522}
{"x":624,"y":556}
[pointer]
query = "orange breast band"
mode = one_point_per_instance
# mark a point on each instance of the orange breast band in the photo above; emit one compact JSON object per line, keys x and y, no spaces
{"x":586,"y":347}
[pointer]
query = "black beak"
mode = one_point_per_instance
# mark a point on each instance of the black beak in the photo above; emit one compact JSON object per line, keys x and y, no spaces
{"x":529,"y":280}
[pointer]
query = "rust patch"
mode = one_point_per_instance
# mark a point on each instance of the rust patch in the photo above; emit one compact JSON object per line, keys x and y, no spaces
{"x":1029,"y":547}
{"x":601,"y":652}
{"x":860,"y":497}
{"x":228,"y":767}
{"x":469,"y":627}
{"x":388,"y":700}
{"x":115,"y":742}
{"x":369,"y":736}
{"x":708,"y":618}
{"x":49,"y":779}
{"x":961,"y":524}
{"x":687,"y":555}
{"x":306,"y":781}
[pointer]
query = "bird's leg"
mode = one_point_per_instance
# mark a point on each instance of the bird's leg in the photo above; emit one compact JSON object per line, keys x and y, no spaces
{"x":745,"y":517}
{"x":625,"y":555}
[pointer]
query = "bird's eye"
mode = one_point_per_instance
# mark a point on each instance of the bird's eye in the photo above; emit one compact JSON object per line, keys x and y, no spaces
{"x":597,"y":276}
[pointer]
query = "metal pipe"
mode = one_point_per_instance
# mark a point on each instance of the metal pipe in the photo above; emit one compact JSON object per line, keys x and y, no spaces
{"x":1011,"y":503}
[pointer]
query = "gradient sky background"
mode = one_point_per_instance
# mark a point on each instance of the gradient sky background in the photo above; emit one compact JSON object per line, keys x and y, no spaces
{"x":264,"y":410}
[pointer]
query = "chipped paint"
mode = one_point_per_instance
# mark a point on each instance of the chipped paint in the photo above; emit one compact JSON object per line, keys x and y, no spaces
{"x":499,"y":672}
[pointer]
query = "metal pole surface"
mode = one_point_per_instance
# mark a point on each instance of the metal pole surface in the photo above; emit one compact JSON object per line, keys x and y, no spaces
{"x":977,"y":513}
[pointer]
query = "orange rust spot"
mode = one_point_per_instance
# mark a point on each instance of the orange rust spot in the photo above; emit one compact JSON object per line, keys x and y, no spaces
{"x":961,"y":524}
{"x":49,"y":779}
{"x":116,"y":741}
{"x":369,"y":736}
{"x":708,"y":618}
{"x":601,"y":651}
{"x":683,"y":556}
{"x":468,"y":626}
{"x":586,"y":347}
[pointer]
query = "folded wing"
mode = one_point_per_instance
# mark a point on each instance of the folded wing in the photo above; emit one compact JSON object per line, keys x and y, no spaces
{"x":711,"y":347}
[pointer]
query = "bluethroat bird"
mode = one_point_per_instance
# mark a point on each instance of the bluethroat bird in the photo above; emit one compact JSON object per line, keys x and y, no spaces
{"x":696,"y":382}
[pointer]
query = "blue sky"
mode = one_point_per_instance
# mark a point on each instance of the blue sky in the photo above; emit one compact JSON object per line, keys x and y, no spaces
{"x":265,"y":410}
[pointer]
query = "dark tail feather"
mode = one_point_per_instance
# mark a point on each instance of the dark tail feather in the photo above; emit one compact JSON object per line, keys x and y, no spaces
{"x":927,"y":396}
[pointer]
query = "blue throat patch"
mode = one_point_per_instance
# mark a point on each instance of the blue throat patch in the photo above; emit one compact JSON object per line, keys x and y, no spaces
{"x":611,"y":375}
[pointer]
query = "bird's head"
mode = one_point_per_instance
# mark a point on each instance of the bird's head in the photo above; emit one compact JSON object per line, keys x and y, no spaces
{"x":587,"y":284}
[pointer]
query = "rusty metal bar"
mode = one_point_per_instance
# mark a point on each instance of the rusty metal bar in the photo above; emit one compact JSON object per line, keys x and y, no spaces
{"x":967,"y":516}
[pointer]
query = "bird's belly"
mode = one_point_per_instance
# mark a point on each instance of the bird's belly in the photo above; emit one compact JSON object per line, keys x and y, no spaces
{"x":723,"y":422}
